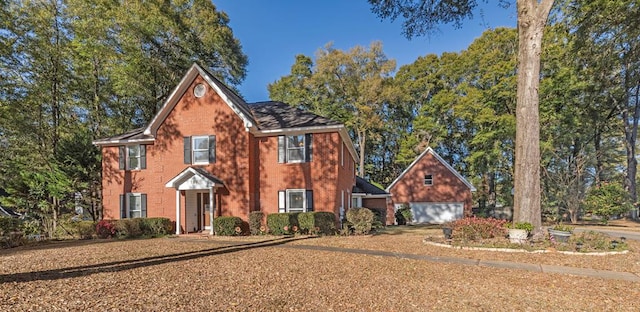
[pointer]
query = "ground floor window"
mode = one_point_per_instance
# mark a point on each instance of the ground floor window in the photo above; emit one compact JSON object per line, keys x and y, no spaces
{"x":133,"y":205}
{"x":295,"y":200}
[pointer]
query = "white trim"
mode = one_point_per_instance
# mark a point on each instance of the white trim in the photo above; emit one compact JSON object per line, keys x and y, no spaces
{"x":365,"y":195}
{"x":193,"y":149}
{"x":442,"y":161}
{"x":288,"y":202}
{"x":178,"y":181}
{"x":123,"y":142}
{"x":177,"y":212}
{"x":212,"y":204}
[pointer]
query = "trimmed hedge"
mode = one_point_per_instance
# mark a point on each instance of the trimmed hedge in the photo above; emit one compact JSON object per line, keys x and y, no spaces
{"x":129,"y":228}
{"x":156,"y":226}
{"x":325,"y":223}
{"x":255,"y":222}
{"x":282,"y":223}
{"x":227,"y":226}
{"x":308,"y":223}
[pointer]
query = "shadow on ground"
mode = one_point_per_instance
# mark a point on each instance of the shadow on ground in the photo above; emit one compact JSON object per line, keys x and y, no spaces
{"x":117,"y":266}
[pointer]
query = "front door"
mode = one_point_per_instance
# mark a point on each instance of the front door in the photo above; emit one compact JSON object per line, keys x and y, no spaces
{"x":202,"y":205}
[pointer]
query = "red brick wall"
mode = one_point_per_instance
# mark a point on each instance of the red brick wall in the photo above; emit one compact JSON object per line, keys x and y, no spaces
{"x":191,"y":116}
{"x":446,"y":186}
{"x":324,"y":174}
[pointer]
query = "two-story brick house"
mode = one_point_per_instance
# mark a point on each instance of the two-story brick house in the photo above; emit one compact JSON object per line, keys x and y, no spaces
{"x":208,"y":153}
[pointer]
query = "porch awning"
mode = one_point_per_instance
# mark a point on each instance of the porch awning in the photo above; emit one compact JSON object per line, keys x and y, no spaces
{"x":193,"y":178}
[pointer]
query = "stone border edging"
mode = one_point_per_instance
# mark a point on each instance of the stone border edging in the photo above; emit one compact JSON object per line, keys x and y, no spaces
{"x":606,"y":253}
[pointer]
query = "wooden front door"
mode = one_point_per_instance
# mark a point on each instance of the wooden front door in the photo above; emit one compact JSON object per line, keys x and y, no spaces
{"x":203,"y":210}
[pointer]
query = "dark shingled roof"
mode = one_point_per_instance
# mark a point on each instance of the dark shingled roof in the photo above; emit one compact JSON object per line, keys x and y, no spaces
{"x":364,"y":187}
{"x":277,"y":115}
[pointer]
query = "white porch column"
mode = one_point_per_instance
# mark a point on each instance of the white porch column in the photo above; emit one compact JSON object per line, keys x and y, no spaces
{"x":177,"y":211}
{"x":212,"y":192}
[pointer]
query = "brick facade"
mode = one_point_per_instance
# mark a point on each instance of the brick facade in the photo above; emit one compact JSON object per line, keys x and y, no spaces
{"x":245,"y":161}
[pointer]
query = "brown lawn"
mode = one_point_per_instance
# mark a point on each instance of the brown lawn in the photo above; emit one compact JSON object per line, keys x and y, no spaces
{"x":193,"y":273}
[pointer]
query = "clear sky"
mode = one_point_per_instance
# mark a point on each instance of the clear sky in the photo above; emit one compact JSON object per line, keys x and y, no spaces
{"x":273,"y":32}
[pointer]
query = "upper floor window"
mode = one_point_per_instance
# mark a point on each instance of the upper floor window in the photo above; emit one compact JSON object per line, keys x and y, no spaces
{"x":295,"y":148}
{"x":428,"y":179}
{"x":132,"y":157}
{"x":199,"y":150}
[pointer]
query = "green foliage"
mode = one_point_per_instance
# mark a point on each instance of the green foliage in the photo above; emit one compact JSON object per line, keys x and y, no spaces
{"x":85,"y":229}
{"x":325,"y":223}
{"x":156,"y":226}
{"x":255,"y":222}
{"x":563,"y":228}
{"x":473,"y":229}
{"x":607,"y":200}
{"x":281,"y":223}
{"x":306,"y":221}
{"x":129,"y":228}
{"x":404,"y":214}
{"x":227,"y":226}
{"x":361,"y":219}
{"x":10,"y":225}
{"x":520,"y":226}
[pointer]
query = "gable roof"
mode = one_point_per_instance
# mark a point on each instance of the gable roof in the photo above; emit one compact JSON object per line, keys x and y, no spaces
{"x":364,"y":187}
{"x":234,"y":101}
{"x":261,"y":118}
{"x":429,"y":150}
{"x":191,"y":172}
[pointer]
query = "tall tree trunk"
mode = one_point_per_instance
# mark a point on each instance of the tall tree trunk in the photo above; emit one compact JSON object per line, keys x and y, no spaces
{"x":362,"y":139}
{"x":532,"y":17}
{"x":630,"y":116}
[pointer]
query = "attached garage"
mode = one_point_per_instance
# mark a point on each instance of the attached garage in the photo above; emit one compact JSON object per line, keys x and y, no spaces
{"x":426,"y":212}
{"x":433,"y":189}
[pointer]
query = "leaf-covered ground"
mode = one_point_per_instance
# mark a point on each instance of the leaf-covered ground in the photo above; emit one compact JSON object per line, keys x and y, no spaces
{"x":193,"y":273}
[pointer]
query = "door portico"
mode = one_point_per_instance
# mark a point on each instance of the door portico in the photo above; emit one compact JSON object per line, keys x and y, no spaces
{"x":195,"y":182}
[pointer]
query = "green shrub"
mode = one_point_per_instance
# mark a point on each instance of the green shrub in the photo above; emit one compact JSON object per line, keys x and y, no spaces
{"x":306,"y":221}
{"x":85,"y":229}
{"x":129,"y":228}
{"x":607,"y":200}
{"x":380,"y":216}
{"x":282,"y":223}
{"x":325,"y":223}
{"x":519,"y":226}
{"x":403,"y":214}
{"x":227,"y":226}
{"x":361,"y":219}
{"x":105,"y":229}
{"x":255,"y":222}
{"x":473,"y":229}
{"x":156,"y":226}
{"x":10,"y":225}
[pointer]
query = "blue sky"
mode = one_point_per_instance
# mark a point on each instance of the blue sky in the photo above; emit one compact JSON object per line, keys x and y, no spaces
{"x":273,"y":32}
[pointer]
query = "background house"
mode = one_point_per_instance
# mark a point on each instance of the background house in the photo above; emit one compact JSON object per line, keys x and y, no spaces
{"x":435,"y":191}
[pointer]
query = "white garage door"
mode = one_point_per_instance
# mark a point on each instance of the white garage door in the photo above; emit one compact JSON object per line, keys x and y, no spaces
{"x":436,"y":212}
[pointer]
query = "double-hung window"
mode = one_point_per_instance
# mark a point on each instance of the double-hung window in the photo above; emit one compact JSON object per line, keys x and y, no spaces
{"x":133,"y":205}
{"x":200,"y":150}
{"x":295,"y":200}
{"x":132,"y":157}
{"x":295,"y":148}
{"x":428,"y":179}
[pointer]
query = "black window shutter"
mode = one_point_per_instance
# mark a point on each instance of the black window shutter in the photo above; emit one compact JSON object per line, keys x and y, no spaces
{"x":143,"y":205}
{"x":308,"y":149}
{"x":187,"y":150}
{"x":143,"y":157}
{"x":123,"y":207}
{"x":309,"y":200}
{"x":282,"y":201}
{"x":282,"y":149}
{"x":212,"y":148}
{"x":121,"y":157}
